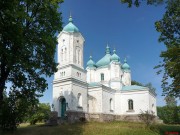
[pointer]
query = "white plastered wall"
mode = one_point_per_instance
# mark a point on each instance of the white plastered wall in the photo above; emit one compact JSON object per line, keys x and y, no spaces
{"x":95,"y":100}
{"x":108,"y":94}
{"x":140,"y":102}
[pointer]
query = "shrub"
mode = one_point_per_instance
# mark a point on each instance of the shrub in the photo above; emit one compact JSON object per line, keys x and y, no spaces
{"x":147,"y":117}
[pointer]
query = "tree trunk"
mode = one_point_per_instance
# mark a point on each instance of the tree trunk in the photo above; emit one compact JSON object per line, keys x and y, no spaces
{"x":2,"y":86}
{"x":3,"y":79}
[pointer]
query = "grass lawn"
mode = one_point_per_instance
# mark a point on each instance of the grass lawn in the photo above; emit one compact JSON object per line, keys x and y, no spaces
{"x":95,"y":128}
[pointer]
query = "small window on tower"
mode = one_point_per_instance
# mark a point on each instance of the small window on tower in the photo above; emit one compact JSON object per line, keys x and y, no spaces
{"x":102,"y":77}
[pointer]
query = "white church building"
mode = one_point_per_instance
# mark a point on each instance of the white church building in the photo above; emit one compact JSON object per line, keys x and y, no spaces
{"x":101,"y":90}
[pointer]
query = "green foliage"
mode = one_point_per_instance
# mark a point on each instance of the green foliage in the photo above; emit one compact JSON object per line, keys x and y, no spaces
{"x":136,"y":83}
{"x":169,"y":114}
{"x":14,"y":108}
{"x":28,"y":43}
{"x":149,"y":85}
{"x":169,"y":26}
{"x":170,"y":101}
{"x":147,"y":117}
{"x":39,"y":113}
{"x":138,"y":2}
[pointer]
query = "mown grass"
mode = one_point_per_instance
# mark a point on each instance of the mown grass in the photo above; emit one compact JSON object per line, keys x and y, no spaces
{"x":94,"y":128}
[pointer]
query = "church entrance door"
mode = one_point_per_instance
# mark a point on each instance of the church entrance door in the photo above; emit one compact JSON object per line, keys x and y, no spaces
{"x":63,"y":107}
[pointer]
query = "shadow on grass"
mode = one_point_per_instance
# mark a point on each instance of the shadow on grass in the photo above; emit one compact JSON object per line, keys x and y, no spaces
{"x":163,"y":129}
{"x":66,"y":129}
{"x":96,"y":128}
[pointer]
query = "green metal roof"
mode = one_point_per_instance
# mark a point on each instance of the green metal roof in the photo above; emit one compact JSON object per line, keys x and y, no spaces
{"x":115,"y":57}
{"x":91,"y":63}
{"x":125,"y":66}
{"x":133,"y":87}
{"x":70,"y":27}
{"x":92,"y":84}
{"x":106,"y":59}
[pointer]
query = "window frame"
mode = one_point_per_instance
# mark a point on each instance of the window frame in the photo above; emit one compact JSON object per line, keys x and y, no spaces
{"x":102,"y":76}
{"x":130,"y":105}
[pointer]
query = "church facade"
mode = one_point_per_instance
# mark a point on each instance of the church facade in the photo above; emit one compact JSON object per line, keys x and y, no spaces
{"x":103,"y":87}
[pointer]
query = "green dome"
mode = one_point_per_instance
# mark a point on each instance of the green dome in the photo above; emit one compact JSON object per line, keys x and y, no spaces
{"x":91,"y":63}
{"x":115,"y":57}
{"x":106,"y":59}
{"x":70,"y":27}
{"x":125,"y":66}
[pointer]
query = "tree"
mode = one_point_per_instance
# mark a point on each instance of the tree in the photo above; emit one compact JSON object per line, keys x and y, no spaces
{"x":14,"y":108}
{"x":169,"y":114}
{"x":170,"y":101}
{"x":136,"y":83}
{"x":38,"y":114}
{"x":168,"y":26}
{"x":147,"y":117}
{"x":138,"y":2}
{"x":27,"y":44}
{"x":149,"y":85}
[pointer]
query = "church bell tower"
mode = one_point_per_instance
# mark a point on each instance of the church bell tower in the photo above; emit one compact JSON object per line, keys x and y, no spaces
{"x":69,"y":85}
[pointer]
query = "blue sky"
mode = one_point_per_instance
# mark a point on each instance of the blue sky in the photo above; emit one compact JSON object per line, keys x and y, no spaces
{"x":130,"y":30}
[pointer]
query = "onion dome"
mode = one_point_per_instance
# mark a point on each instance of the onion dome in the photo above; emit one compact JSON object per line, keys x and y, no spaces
{"x":70,"y":27}
{"x":115,"y":57}
{"x":91,"y":63}
{"x":125,"y":66}
{"x":105,"y":60}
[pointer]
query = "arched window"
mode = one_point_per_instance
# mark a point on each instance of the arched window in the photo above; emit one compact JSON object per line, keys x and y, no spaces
{"x":65,"y":53}
{"x":111,"y":104}
{"x":130,"y":104}
{"x":79,"y":97}
{"x":78,"y":56}
{"x":62,"y":55}
{"x":102,"y":77}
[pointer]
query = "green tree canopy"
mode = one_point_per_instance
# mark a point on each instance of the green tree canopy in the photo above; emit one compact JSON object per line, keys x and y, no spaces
{"x":138,"y":2}
{"x":28,"y":43}
{"x":169,"y":27}
{"x":38,"y":113}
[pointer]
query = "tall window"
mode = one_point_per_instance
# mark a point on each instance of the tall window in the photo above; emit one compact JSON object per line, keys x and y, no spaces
{"x":65,"y":53}
{"x":130,"y":104}
{"x":102,"y":77}
{"x":62,"y":55}
{"x":79,"y":97}
{"x":78,"y":56}
{"x":111,"y":104}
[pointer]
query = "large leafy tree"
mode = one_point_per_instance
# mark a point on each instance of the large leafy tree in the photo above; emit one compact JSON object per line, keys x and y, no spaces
{"x":169,"y":27}
{"x":27,"y":44}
